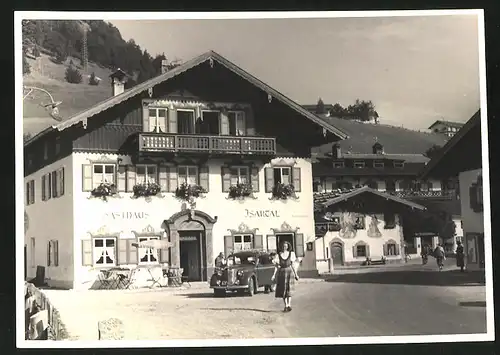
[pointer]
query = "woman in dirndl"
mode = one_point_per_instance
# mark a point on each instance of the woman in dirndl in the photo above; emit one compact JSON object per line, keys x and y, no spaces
{"x":285,"y":275}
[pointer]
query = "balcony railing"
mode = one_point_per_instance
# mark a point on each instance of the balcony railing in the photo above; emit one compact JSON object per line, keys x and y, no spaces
{"x":442,"y":194}
{"x":164,"y":142}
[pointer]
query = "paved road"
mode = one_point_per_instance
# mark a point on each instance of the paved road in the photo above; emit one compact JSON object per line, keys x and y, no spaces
{"x":403,"y":302}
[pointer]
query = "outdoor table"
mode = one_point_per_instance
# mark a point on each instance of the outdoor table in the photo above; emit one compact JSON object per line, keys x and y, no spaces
{"x":154,"y":279}
{"x":114,"y":278}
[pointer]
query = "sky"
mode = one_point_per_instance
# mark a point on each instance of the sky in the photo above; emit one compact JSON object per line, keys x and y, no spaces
{"x":414,"y":69}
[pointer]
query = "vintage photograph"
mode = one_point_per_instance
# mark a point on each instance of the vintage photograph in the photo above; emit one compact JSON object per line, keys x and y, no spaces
{"x":277,"y":177}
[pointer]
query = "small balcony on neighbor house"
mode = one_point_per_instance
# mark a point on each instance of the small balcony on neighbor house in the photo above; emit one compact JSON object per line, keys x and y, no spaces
{"x":210,"y":144}
{"x":429,"y":194}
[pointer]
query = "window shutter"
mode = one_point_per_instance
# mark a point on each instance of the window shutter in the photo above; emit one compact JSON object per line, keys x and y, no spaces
{"x":299,"y":245}
{"x":87,"y":177}
{"x":145,"y":118}
{"x":122,"y":251}
{"x":172,"y":179}
{"x":473,"y":198}
{"x":130,"y":178}
{"x":367,"y":248}
{"x":296,"y":179}
{"x":228,"y":245}
{"x":163,"y":178}
{"x":240,"y":124}
{"x":48,"y":254}
{"x":269,"y":172}
{"x":397,"y":249}
{"x":258,"y":242}
{"x":121,"y":178}
{"x":61,"y":182}
{"x":271,"y":242}
{"x":172,"y":121}
{"x":43,"y":189}
{"x":226,"y":179}
{"x":56,"y":252}
{"x":255,"y":179}
{"x":32,"y":191}
{"x":386,"y":252}
{"x":132,"y":252}
{"x":87,"y":252}
{"x":204,"y":178}
{"x":224,"y":124}
{"x":54,"y":184}
{"x":27,"y":193}
{"x":354,"y":251}
{"x":48,"y":181}
{"x":479,"y":192}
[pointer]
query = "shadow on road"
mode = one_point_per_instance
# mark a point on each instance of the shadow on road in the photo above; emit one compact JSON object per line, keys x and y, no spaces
{"x":228,"y":295}
{"x":414,"y":277}
{"x":243,"y":309}
{"x":473,"y":304}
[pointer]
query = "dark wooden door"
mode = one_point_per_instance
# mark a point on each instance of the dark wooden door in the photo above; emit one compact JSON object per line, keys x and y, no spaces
{"x":337,"y":251}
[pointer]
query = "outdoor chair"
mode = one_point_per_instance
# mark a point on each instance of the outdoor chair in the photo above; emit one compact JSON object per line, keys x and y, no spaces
{"x":107,"y":280}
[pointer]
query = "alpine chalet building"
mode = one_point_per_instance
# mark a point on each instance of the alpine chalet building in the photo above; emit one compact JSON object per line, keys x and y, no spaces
{"x":205,"y":155}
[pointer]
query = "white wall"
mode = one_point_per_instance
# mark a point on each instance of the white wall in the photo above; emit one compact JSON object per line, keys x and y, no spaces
{"x":51,"y":220}
{"x":376,"y":244}
{"x":93,"y":214}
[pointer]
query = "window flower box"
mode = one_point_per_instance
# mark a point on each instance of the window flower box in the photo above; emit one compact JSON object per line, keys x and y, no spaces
{"x":146,"y":190}
{"x":240,"y":191}
{"x":283,"y":192}
{"x":104,"y":190}
{"x":189,"y":193}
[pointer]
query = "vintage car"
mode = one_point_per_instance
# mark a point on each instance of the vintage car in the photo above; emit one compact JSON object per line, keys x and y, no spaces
{"x":246,"y":271}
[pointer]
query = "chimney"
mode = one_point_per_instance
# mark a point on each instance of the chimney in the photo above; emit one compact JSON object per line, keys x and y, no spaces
{"x":118,"y":80}
{"x":164,"y":66}
{"x":336,"y":151}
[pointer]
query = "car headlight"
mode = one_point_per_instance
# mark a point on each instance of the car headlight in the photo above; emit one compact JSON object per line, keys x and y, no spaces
{"x":239,"y":273}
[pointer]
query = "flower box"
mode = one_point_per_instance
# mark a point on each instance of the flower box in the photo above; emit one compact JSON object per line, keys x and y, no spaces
{"x":104,"y":190}
{"x":240,"y":191}
{"x":283,"y":191}
{"x":146,"y":190}
{"x":188,"y":192}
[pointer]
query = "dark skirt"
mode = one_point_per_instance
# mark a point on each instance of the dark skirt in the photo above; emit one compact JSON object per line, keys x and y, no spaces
{"x":460,"y":260}
{"x":285,"y":283}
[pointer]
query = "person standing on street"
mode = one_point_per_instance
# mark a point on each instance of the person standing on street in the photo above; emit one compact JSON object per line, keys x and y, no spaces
{"x":460,"y":255}
{"x":439,"y":255}
{"x":285,"y":275}
{"x":220,"y":261}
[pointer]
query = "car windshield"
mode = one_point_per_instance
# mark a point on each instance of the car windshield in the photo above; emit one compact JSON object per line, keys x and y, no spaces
{"x":241,"y":259}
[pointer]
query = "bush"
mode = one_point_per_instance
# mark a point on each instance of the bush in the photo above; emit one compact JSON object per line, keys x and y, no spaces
{"x":73,"y":75}
{"x":61,"y":57}
{"x":93,"y":80}
{"x":26,"y":66}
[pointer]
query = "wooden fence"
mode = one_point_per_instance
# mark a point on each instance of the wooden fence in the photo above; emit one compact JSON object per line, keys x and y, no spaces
{"x":42,"y":319}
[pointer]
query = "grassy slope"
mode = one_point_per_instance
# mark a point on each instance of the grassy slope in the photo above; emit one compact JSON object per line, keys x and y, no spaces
{"x":74,"y":97}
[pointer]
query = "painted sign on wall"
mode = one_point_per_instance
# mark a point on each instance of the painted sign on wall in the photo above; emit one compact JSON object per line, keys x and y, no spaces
{"x":127,"y":215}
{"x":261,"y":213}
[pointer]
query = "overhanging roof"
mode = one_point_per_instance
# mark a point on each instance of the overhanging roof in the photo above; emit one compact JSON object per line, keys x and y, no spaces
{"x":211,"y":55}
{"x":446,"y":123}
{"x":447,"y":149}
{"x":366,"y":189}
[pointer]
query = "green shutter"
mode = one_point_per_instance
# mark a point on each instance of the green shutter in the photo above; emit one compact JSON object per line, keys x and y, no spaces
{"x":299,"y":245}
{"x":224,"y":124}
{"x":172,"y":179}
{"x":258,"y":242}
{"x":296,"y":179}
{"x":172,"y":121}
{"x":121,"y":178}
{"x":122,"y":252}
{"x":48,"y":254}
{"x":131,"y":174}
{"x":228,"y":245}
{"x":163,"y":178}
{"x":87,"y":252}
{"x":86,"y":177}
{"x":255,"y":179}
{"x":354,"y":251}
{"x":386,"y":251}
{"x":132,"y":252}
{"x":61,"y":182}
{"x":44,"y":198}
{"x":204,"y":177}
{"x":226,"y":178}
{"x":145,"y":117}
{"x":56,"y":252}
{"x":269,"y":172}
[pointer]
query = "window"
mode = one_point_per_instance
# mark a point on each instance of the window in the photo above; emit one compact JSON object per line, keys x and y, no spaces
{"x":243,"y":242}
{"x":390,"y":186}
{"x":283,"y":175}
{"x":185,"y":121}
{"x":398,"y":164}
{"x":389,"y":220}
{"x":46,"y":187}
{"x":239,"y":175}
{"x":104,"y":251}
{"x":30,"y":192}
{"x":359,"y":164}
{"x":359,"y":223}
{"x":187,"y":175}
{"x":361,"y":251}
{"x":210,"y":123}
{"x":236,"y":123}
{"x":103,"y":173}
{"x":158,"y":120}
{"x":33,"y":252}
{"x":53,"y":253}
{"x":146,"y":174}
{"x":378,"y":164}
{"x":148,"y":255}
{"x":338,"y":164}
{"x":392,"y":249}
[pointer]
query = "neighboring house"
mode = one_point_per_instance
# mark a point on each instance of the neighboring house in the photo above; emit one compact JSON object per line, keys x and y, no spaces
{"x":447,"y":128}
{"x":134,"y":167}
{"x":360,"y":224}
{"x":462,"y":157}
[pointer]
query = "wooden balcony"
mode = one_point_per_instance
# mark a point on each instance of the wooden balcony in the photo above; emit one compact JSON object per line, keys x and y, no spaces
{"x":442,"y":194}
{"x":182,"y":143}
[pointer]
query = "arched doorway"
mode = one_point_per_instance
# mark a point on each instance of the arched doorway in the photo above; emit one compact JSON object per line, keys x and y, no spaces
{"x":337,"y":252}
{"x":191,"y":235}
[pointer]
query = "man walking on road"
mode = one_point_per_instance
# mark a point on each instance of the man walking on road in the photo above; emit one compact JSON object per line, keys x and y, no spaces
{"x":439,"y":255}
